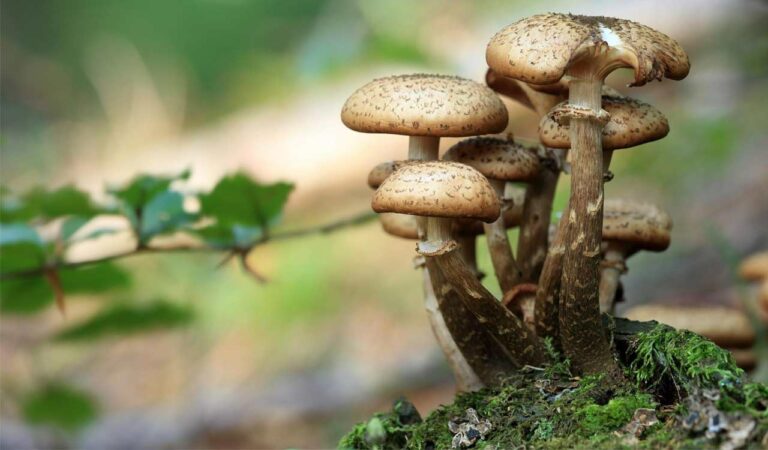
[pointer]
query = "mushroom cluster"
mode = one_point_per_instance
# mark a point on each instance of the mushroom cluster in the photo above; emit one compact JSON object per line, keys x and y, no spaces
{"x":553,"y":288}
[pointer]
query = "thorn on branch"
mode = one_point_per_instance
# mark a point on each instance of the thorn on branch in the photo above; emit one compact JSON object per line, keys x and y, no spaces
{"x":53,"y":278}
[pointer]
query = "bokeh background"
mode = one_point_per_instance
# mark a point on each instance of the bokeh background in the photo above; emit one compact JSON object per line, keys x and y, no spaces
{"x":96,"y":91}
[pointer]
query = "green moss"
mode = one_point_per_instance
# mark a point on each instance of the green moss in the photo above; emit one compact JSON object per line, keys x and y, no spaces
{"x":613,"y":415}
{"x":550,"y":409}
{"x":684,"y":359}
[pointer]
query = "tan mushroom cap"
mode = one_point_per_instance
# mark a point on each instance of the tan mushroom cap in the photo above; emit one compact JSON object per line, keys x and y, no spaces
{"x":726,"y":327}
{"x":406,"y":226}
{"x":438,"y":189}
{"x":755,"y":267}
{"x":641,"y":225}
{"x":425,"y":105}
{"x":381,"y":171}
{"x":540,"y":49}
{"x":497,"y":159}
{"x":631,"y":123}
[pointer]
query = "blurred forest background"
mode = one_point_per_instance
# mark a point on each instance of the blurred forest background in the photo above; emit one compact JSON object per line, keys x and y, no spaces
{"x":96,"y":91}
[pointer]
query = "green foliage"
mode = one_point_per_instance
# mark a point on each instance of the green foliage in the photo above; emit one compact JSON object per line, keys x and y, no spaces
{"x":684,"y":358}
{"x":20,"y":247}
{"x":61,"y":406}
{"x":29,"y":295}
{"x":243,"y":209}
{"x":127,"y":319}
{"x":616,"y":413}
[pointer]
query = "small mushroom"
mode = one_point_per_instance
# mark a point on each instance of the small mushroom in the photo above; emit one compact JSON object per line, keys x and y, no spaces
{"x":443,"y":191}
{"x":628,"y":227}
{"x":500,"y":161}
{"x":425,"y":108}
{"x":755,"y":267}
{"x":726,"y":327}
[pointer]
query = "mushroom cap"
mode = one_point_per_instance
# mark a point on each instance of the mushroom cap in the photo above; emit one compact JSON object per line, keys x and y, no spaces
{"x":511,"y":212}
{"x":497,"y":159}
{"x":508,"y":87}
{"x":727,"y":327}
{"x":631,"y":123}
{"x":381,"y":171}
{"x":541,"y":48}
{"x":425,"y":105}
{"x":755,"y":267}
{"x":438,"y":189}
{"x":641,"y":226}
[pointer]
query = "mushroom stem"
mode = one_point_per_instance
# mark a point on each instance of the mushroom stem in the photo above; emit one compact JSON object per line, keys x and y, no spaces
{"x":612,"y":268}
{"x":533,"y":240}
{"x":548,"y":291}
{"x":504,"y":264}
{"x":466,"y":379}
{"x":583,"y":337}
{"x":468,"y":249}
{"x":425,"y":148}
{"x":510,"y":338}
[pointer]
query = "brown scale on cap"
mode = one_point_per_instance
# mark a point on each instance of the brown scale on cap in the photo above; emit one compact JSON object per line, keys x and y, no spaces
{"x":425,"y":105}
{"x":755,"y":267}
{"x":497,"y":159}
{"x":539,"y":49}
{"x":631,"y":123}
{"x":381,"y":171}
{"x":438,"y":189}
{"x":641,"y":225}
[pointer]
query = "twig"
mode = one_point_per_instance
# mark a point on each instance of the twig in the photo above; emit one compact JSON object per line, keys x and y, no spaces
{"x":358,"y":219}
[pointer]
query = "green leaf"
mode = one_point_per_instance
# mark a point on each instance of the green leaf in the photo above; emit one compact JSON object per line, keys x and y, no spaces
{"x":32,"y":294}
{"x":62,"y":202}
{"x":164,"y":214}
{"x":128,"y":319}
{"x":139,"y":191}
{"x":20,"y":248}
{"x":243,"y":208}
{"x":60,"y":406}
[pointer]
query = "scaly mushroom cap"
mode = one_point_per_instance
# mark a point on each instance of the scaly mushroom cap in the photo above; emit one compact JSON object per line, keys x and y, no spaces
{"x":640,"y":225}
{"x":541,"y":48}
{"x":727,"y":327}
{"x":438,"y":189}
{"x":425,"y":105}
{"x":497,"y":159}
{"x":755,"y":267}
{"x":631,"y":123}
{"x":508,"y":87}
{"x":381,"y":171}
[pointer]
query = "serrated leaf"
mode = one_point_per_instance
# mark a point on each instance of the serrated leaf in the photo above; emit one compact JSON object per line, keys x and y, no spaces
{"x":20,"y":248}
{"x":243,"y":208}
{"x":164,"y":214}
{"x":128,"y":319}
{"x":60,"y":406}
{"x":31,"y":294}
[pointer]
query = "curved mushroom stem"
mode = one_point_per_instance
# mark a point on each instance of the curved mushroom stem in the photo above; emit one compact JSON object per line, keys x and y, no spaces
{"x":512,"y":344}
{"x":583,"y":337}
{"x":468,"y":249}
{"x":466,"y":379}
{"x":612,"y":267}
{"x":533,"y":240}
{"x":425,"y":148}
{"x":504,"y":264}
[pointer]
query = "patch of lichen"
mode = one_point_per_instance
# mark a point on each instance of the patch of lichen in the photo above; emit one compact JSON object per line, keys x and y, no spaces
{"x":550,"y":409}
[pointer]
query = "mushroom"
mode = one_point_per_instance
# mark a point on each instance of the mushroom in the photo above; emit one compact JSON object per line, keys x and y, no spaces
{"x":500,"y":161}
{"x":726,"y":327}
{"x":631,"y":123}
{"x":381,"y":171}
{"x":425,"y":108}
{"x":755,"y":267}
{"x":628,"y":227}
{"x":541,"y":50}
{"x":443,"y":191}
